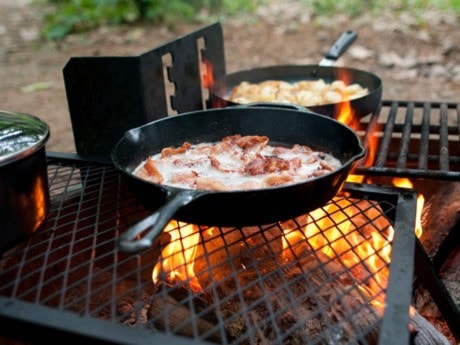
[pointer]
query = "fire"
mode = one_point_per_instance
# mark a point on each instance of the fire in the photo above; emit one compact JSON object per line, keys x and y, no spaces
{"x":345,"y":114}
{"x":355,"y":233}
{"x":207,"y":75}
{"x":178,"y":255}
{"x":344,"y":111}
{"x":406,"y":183}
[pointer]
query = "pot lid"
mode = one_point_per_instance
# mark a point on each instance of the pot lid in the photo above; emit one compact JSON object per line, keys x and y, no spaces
{"x":20,"y":135}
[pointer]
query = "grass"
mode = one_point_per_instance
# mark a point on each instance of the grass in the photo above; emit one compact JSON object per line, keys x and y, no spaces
{"x":70,"y":16}
{"x":357,"y":7}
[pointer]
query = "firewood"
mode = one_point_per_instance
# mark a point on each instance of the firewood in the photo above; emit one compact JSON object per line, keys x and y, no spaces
{"x":166,"y":313}
{"x":440,"y":214}
{"x":424,"y":332}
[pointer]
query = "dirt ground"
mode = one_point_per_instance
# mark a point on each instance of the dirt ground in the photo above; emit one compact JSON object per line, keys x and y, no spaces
{"x":417,"y":57}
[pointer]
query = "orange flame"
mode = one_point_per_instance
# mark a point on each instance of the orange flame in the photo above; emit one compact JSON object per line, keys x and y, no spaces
{"x":342,"y":230}
{"x":207,"y":74}
{"x":343,"y":238}
{"x":406,"y":183}
{"x":371,"y":142}
{"x":356,"y":178}
{"x":178,"y":255}
{"x":344,"y":113}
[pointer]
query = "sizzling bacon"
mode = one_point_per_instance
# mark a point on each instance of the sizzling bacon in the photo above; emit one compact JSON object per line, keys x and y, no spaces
{"x":190,"y":163}
{"x":280,"y":150}
{"x":301,"y":149}
{"x":230,"y":140}
{"x":259,"y":165}
{"x":273,"y":164}
{"x":207,"y":183}
{"x":229,"y":167}
{"x":169,"y":151}
{"x":325,"y":165}
{"x":320,"y":172}
{"x":151,"y":172}
{"x":188,"y":178}
{"x":235,"y":163}
{"x":278,"y":179}
{"x":250,"y":141}
{"x":295,"y":164}
{"x":255,"y":167}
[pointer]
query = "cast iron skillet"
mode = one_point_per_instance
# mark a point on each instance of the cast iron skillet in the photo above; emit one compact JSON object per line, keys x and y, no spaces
{"x":283,"y":125}
{"x":220,"y":91}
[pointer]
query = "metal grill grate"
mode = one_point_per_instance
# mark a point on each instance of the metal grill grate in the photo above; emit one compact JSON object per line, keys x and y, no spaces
{"x":414,"y":139}
{"x":69,"y":278}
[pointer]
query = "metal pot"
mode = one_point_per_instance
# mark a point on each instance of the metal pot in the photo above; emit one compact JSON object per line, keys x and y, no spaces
{"x":24,"y":193}
{"x":241,"y":207}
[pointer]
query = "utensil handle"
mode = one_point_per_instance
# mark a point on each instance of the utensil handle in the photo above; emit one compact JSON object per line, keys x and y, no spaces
{"x":141,"y":235}
{"x":341,"y":45}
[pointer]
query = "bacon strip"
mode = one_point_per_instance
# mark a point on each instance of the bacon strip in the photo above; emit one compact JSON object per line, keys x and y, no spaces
{"x":250,"y":141}
{"x":150,"y":172}
{"x":278,"y":179}
{"x":169,"y":151}
{"x":263,"y":165}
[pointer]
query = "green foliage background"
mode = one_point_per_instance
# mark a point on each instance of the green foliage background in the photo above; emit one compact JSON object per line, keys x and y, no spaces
{"x":70,"y":16}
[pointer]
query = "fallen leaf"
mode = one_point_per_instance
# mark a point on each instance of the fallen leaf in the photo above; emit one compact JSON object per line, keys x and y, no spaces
{"x":39,"y":86}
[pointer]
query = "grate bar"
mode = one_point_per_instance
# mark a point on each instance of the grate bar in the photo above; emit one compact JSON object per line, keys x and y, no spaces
{"x":415,"y":139}
{"x":443,"y":138}
{"x":458,"y":123}
{"x":406,"y":135}
{"x":425,"y":133}
{"x":385,"y":143}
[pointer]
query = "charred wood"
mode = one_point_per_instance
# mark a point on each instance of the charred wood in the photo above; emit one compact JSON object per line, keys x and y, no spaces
{"x":441,"y":215}
{"x":168,"y":313}
{"x":424,"y":333}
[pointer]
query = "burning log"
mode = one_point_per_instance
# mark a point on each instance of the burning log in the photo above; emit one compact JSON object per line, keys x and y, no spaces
{"x":440,"y":216}
{"x":166,"y":312}
{"x":424,"y":333}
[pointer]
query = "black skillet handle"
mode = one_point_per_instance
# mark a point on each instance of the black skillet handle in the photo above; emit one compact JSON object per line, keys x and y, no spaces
{"x":141,"y":235}
{"x":341,"y":45}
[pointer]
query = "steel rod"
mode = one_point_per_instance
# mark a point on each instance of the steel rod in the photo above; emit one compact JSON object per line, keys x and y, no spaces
{"x":385,"y":142}
{"x":425,"y":134}
{"x":406,"y":135}
{"x":443,"y":139}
